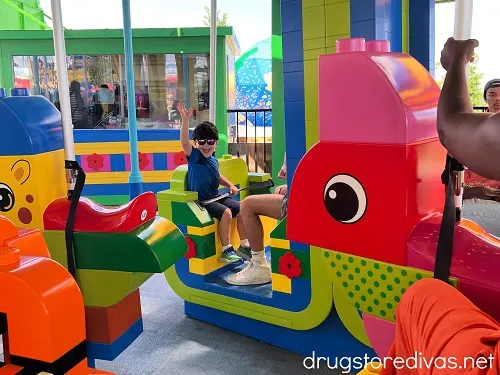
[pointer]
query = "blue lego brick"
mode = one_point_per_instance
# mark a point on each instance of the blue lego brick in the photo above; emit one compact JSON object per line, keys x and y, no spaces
{"x":182,"y":228}
{"x":109,"y":352}
{"x":78,"y":159}
{"x":293,"y":85}
{"x":291,"y":166}
{"x":262,"y":294}
{"x":296,"y":145}
{"x":362,"y":10}
{"x":297,"y":246}
{"x":363,"y":29}
{"x":330,"y":339}
{"x":396,"y":25}
{"x":291,"y":16}
{"x":422,"y":25}
{"x":122,"y":135}
{"x":117,"y":162}
{"x":295,"y":117}
{"x":33,"y":126}
{"x":122,"y":189}
{"x":160,"y":161}
{"x":293,"y":49}
{"x":296,"y":66}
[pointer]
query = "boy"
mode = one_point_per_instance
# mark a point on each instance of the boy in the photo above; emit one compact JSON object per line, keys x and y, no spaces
{"x":204,"y":178}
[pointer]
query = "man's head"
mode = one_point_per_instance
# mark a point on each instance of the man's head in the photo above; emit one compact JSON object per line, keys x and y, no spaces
{"x":492,"y":95}
{"x":206,"y":137}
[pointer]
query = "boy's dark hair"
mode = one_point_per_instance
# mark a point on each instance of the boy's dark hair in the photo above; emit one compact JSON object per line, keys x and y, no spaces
{"x":205,"y":130}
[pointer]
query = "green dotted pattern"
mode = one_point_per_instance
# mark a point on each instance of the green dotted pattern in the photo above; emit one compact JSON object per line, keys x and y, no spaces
{"x":373,"y":287}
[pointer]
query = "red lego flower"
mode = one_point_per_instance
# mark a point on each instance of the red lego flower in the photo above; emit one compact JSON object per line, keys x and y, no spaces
{"x":289,"y":265}
{"x":191,"y":253}
{"x":95,"y":161}
{"x":143,"y":160}
{"x":180,"y":158}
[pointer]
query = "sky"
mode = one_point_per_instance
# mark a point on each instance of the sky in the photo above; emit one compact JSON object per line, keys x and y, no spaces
{"x":251,"y":20}
{"x":485,"y":16}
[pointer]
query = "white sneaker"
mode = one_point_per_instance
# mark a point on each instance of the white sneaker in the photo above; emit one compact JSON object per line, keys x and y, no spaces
{"x":254,"y":274}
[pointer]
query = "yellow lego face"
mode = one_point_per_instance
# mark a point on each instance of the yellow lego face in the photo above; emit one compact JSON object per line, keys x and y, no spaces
{"x":28,"y":184}
{"x":17,"y":195}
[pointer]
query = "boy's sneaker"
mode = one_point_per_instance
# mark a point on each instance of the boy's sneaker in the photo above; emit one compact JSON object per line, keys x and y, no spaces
{"x":254,"y":273}
{"x":245,"y":252}
{"x":229,"y":256}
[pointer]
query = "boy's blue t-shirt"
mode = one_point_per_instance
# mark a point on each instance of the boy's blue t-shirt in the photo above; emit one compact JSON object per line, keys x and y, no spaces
{"x":203,"y":175}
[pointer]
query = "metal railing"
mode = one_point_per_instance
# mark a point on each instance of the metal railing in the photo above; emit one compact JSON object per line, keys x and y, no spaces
{"x":481,"y":109}
{"x":250,"y":137}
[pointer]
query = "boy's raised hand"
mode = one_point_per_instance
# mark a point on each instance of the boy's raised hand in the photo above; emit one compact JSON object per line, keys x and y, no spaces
{"x":185,"y":114}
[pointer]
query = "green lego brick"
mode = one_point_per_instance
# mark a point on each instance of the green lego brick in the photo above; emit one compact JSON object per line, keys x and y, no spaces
{"x":373,"y":287}
{"x":312,"y":3}
{"x":303,"y":256}
{"x":56,"y":242}
{"x":313,"y":22}
{"x":280,"y":231}
{"x":205,"y":245}
{"x":165,"y":209}
{"x":338,"y":18}
{"x":258,"y":177}
{"x":107,"y":288}
{"x":178,"y":180}
{"x":314,"y":43}
{"x":178,"y":195}
{"x":151,"y":248}
{"x":190,"y":214}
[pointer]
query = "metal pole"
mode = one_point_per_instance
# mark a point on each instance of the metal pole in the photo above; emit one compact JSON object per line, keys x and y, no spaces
{"x":63,"y":83}
{"x":135,"y":178}
{"x":122,"y":89}
{"x":85,"y":82}
{"x":213,"y":53}
{"x":462,"y":31}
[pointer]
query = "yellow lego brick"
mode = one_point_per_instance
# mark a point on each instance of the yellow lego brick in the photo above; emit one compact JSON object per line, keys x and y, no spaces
{"x":201,"y":231}
{"x":313,"y":54}
{"x":332,"y":40}
{"x":281,"y":283}
{"x":312,"y":133}
{"x":338,"y":18}
{"x":280,"y":244}
{"x":312,"y":3}
{"x":258,"y":177}
{"x":313,"y":22}
{"x":336,"y":2}
{"x":205,"y":266}
{"x":314,"y":43}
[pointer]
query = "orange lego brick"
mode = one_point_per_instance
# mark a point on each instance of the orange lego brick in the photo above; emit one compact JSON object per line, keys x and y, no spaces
{"x":30,"y":242}
{"x":105,"y":325}
{"x":8,"y":369}
{"x":50,"y":321}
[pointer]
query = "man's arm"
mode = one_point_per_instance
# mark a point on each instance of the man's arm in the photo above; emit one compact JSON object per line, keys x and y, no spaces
{"x":472,"y":138}
{"x":186,"y":144}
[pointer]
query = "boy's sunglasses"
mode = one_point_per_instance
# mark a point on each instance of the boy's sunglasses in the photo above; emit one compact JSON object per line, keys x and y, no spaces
{"x":210,"y":142}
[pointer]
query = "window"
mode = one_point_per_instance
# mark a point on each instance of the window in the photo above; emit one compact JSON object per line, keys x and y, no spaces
{"x":98,"y":88}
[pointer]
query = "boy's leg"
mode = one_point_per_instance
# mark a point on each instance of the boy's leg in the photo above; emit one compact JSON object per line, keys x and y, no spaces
{"x":435,"y":322}
{"x":234,"y":206}
{"x":258,"y":271}
{"x":223,"y":214}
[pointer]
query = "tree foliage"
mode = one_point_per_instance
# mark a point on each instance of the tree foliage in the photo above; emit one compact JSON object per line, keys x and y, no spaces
{"x":475,"y":87}
{"x":221,"y":22}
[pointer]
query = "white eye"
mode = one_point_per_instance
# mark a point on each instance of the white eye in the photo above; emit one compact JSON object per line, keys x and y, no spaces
{"x":6,"y":198}
{"x":345,"y":199}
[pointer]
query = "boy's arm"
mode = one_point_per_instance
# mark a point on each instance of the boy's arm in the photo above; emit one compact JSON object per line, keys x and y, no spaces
{"x":185,"y":114}
{"x":225,"y":182}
